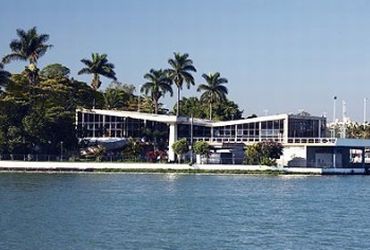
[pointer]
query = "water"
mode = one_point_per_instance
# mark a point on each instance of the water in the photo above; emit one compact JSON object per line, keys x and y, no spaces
{"x":136,"y":211}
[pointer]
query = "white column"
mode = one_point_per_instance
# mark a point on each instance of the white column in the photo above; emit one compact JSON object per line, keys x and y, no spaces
{"x":171,"y":140}
{"x":260,"y":132}
{"x":285,"y":129}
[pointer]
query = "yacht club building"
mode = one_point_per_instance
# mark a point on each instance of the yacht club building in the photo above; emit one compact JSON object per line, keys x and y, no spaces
{"x":303,"y":136}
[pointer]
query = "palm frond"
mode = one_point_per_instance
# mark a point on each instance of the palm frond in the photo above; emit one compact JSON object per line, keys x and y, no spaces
{"x":84,"y":71}
{"x":13,"y":57}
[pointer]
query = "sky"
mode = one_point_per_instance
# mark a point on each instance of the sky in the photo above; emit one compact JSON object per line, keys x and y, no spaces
{"x":278,"y":56}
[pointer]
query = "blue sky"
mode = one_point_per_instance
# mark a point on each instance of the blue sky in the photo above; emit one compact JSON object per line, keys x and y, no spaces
{"x":280,"y":56}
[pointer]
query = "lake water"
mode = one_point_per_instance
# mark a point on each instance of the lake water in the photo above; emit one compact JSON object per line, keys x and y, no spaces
{"x":139,"y":211}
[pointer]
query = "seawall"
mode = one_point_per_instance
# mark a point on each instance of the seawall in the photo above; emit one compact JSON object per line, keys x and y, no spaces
{"x":29,"y":166}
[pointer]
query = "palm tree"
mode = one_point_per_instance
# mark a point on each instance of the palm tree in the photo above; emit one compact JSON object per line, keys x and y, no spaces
{"x":4,"y":76}
{"x":158,"y":84}
{"x":98,"y":66}
{"x":114,"y":98}
{"x":29,"y":47}
{"x":214,"y":90}
{"x":180,"y":72}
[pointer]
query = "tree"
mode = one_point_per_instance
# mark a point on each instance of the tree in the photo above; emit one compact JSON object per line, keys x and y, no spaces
{"x":263,"y":153}
{"x":132,"y":150}
{"x":29,"y":47}
{"x":54,"y":71}
{"x":192,"y":106}
{"x":98,"y":65}
{"x":180,"y":148}
{"x":214,"y":90}
{"x":158,"y":84}
{"x":4,"y":77}
{"x":201,"y":148}
{"x":180,"y":72}
{"x":227,"y":110}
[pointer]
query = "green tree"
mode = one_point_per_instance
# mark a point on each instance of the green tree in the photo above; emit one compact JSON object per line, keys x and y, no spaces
{"x":98,"y":65}
{"x":4,"y":77}
{"x":132,"y":150}
{"x":117,"y":95}
{"x":157,"y":85}
{"x":263,"y":153}
{"x":227,"y":110}
{"x":201,"y":148}
{"x":55,"y":71}
{"x":29,"y":46}
{"x":192,"y":106}
{"x":214,"y":90}
{"x":180,"y":148}
{"x":180,"y":72}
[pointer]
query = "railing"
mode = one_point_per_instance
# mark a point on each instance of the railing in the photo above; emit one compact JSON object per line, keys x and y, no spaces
{"x":323,"y":140}
{"x":67,"y":158}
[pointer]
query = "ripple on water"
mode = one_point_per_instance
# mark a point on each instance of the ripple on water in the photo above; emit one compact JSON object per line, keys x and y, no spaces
{"x":91,"y":211}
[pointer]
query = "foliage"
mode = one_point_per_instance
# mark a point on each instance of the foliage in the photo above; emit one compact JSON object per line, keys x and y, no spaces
{"x":156,"y":155}
{"x":227,"y":110}
{"x":356,"y":130}
{"x":214,"y":90}
{"x":180,"y":72}
{"x":132,"y":150}
{"x":98,"y":65}
{"x":201,"y":148}
{"x":157,"y":85}
{"x":31,"y":114}
{"x":29,"y":46}
{"x":54,"y":71}
{"x":4,"y":77}
{"x":180,"y":147}
{"x":192,"y":106}
{"x":263,"y":153}
{"x":224,"y":111}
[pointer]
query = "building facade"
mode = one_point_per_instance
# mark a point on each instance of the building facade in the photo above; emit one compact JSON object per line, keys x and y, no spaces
{"x":303,"y":136}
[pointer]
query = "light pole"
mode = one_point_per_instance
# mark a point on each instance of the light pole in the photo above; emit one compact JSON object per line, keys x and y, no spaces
{"x":334,"y":115}
{"x":61,"y":151}
{"x":365,"y":106}
{"x":191,"y":139}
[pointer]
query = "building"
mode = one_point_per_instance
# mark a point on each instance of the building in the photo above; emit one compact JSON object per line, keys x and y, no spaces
{"x":304,"y":136}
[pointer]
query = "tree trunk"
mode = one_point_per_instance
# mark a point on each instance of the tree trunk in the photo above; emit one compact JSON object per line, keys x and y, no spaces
{"x":95,"y":84}
{"x":155,"y":102}
{"x":210,"y":111}
{"x":178,"y":102}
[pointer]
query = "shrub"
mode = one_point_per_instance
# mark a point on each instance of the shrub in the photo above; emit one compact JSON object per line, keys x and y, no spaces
{"x":263,"y":153}
{"x":201,"y":148}
{"x":180,"y":147}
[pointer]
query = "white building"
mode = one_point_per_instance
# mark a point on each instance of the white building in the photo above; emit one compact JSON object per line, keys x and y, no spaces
{"x":304,"y":137}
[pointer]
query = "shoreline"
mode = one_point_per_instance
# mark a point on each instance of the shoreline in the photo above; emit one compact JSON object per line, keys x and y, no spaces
{"x":164,"y":168}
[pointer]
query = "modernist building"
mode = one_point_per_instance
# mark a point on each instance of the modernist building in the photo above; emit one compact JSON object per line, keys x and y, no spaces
{"x":304,"y":137}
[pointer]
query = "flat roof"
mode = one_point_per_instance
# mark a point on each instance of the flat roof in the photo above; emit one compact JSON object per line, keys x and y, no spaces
{"x":187,"y":120}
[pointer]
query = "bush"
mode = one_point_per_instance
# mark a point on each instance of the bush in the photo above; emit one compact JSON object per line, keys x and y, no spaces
{"x":201,"y":148}
{"x":263,"y":153}
{"x":132,"y":150}
{"x":156,"y":155}
{"x":180,"y":147}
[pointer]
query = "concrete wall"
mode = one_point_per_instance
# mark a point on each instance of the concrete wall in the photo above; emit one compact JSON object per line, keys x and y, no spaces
{"x":115,"y":165}
{"x":293,"y":156}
